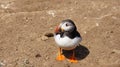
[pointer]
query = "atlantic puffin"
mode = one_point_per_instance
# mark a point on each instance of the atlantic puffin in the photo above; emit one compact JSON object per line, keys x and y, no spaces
{"x":67,"y":38}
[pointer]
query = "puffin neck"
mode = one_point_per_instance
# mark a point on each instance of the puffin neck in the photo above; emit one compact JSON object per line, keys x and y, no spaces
{"x":68,"y":33}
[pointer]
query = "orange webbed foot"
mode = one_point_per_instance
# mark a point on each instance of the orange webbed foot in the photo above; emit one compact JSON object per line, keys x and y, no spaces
{"x":60,"y":57}
{"x":73,"y":60}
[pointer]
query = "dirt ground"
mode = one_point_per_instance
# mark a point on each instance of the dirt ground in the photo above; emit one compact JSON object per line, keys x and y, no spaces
{"x":23,"y":24}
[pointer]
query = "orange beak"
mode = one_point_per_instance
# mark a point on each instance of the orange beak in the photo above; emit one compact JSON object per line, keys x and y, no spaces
{"x":57,"y":29}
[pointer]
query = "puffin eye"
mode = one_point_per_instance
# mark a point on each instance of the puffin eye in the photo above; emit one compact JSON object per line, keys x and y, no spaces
{"x":66,"y":24}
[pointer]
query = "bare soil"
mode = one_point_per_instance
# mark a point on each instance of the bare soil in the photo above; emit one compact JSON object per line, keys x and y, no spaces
{"x":23,"y":24}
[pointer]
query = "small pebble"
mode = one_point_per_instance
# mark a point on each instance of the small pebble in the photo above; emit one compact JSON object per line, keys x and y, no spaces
{"x":49,"y":34}
{"x":67,"y":65}
{"x":112,"y":52}
{"x":116,"y":51}
{"x":97,"y":24}
{"x":26,"y":61}
{"x":44,"y":38}
{"x":37,"y":55}
{"x":111,"y":31}
{"x":46,"y":57}
{"x":2,"y":64}
{"x":85,"y":32}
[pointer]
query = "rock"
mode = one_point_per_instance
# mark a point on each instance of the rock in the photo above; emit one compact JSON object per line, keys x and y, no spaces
{"x":2,"y":64}
{"x":26,"y":61}
{"x":47,"y":57}
{"x":48,"y":34}
{"x":67,"y":65}
{"x":116,"y":51}
{"x":37,"y":55}
{"x":111,"y":31}
{"x":44,"y":38}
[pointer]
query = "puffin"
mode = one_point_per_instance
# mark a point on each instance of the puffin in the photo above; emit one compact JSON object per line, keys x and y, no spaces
{"x":67,"y":38}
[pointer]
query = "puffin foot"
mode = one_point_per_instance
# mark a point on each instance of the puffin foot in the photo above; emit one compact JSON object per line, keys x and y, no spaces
{"x":60,"y":57}
{"x":73,"y":60}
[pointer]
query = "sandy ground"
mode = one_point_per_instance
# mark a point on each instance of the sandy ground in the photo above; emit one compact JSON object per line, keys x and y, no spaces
{"x":23,"y":24}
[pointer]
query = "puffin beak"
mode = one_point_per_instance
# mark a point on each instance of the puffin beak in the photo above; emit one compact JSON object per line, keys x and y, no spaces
{"x":57,"y":29}
{"x":62,"y":29}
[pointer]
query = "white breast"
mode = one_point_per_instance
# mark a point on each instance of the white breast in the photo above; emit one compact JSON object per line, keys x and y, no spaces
{"x":67,"y":43}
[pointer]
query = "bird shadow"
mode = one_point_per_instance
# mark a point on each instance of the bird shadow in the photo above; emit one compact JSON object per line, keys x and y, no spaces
{"x":81,"y":52}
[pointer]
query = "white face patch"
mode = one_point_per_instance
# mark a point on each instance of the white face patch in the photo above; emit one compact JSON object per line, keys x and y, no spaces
{"x":67,"y":26}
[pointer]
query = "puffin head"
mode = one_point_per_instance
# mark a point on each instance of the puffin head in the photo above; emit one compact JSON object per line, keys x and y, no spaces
{"x":65,"y":26}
